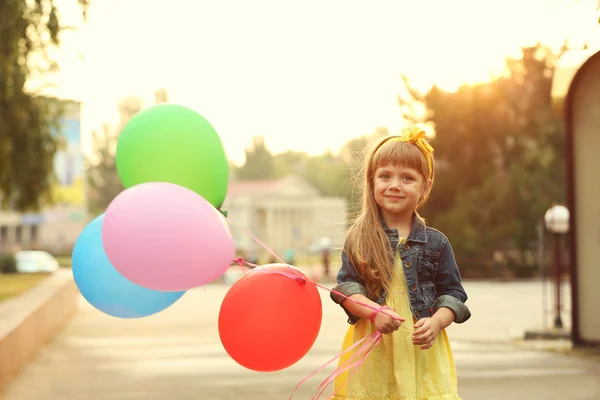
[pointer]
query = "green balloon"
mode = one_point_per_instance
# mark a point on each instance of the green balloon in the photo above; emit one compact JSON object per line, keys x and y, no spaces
{"x":171,"y":143}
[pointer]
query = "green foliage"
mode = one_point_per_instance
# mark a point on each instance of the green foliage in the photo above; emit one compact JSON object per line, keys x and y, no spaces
{"x":332,"y":175}
{"x":28,"y":123}
{"x":8,"y":264}
{"x":104,"y":183}
{"x":498,"y":148}
{"x":259,"y":162}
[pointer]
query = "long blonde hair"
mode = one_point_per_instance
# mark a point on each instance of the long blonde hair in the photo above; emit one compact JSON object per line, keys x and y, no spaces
{"x":367,"y":245}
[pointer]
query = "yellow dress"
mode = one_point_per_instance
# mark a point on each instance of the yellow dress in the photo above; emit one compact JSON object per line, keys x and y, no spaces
{"x":396,"y":369}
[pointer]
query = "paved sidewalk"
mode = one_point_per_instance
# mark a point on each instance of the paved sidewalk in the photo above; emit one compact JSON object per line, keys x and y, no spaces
{"x":177,"y":355}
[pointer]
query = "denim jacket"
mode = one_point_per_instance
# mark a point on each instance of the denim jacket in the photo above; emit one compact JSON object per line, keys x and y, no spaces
{"x":432,"y":276}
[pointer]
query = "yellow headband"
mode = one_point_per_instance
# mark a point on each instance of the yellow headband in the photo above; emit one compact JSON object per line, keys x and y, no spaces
{"x":416,"y":136}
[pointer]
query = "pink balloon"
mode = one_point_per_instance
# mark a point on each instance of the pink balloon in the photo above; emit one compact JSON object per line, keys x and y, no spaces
{"x":163,"y":236}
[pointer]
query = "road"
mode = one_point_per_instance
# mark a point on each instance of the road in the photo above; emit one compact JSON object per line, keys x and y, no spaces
{"x":177,"y":355}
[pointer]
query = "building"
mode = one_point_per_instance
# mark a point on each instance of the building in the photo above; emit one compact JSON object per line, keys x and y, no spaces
{"x":56,"y":227}
{"x":577,"y":86}
{"x":284,"y":214}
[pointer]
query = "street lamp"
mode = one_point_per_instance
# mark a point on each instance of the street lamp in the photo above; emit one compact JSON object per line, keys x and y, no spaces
{"x":557,"y":222}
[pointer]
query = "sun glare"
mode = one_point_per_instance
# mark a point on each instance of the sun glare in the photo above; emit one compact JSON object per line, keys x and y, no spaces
{"x":309,"y":79}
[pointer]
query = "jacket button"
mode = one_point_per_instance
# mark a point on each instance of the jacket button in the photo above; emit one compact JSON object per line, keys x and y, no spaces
{"x":406,"y":247}
{"x":407,"y":264}
{"x":413,"y":287}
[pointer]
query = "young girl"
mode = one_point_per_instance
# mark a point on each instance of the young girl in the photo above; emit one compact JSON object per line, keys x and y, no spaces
{"x":394,"y":262}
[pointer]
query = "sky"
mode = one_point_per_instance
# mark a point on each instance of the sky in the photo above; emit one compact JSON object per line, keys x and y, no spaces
{"x":307,"y":75}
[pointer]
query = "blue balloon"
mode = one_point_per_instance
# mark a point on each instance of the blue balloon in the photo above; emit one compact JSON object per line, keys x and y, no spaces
{"x":104,"y":287}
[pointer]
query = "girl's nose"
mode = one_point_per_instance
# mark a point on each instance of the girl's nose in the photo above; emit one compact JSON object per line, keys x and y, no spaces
{"x":395,"y":184}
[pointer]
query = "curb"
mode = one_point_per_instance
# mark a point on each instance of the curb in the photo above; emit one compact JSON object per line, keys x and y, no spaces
{"x":29,"y":321}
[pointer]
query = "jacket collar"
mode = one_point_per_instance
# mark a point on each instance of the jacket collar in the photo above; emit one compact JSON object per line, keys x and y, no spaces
{"x":418,"y":231}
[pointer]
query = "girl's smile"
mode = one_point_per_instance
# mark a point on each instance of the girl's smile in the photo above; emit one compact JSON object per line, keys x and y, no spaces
{"x":398,"y":189}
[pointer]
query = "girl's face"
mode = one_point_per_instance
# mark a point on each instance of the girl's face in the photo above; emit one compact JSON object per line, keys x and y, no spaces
{"x":398,"y":189}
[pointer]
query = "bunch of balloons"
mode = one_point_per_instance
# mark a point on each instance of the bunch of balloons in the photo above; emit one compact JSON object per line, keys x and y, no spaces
{"x":163,"y":234}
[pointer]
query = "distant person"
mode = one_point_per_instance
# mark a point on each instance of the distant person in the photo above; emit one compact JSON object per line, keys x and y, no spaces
{"x":324,"y":244}
{"x":325,"y":260}
{"x":405,"y":271}
{"x":290,"y":256}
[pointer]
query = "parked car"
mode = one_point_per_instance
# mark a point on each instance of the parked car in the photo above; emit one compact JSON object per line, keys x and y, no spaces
{"x":35,"y":261}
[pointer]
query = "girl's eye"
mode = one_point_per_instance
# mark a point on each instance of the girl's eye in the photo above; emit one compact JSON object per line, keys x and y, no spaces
{"x":384,"y":176}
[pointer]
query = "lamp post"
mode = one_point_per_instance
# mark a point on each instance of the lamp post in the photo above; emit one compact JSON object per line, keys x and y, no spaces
{"x":557,"y":222}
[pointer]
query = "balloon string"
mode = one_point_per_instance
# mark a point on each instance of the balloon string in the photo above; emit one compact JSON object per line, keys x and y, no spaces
{"x":329,"y":362}
{"x":297,"y":276}
{"x":241,"y":262}
{"x":257,"y":240}
{"x":371,"y":341}
{"x":349,"y":366}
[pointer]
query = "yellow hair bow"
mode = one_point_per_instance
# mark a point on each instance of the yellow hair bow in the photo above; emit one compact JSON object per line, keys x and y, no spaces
{"x":417,"y":136}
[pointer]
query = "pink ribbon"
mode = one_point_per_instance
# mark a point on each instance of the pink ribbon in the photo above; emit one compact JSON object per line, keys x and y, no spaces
{"x":370,"y":342}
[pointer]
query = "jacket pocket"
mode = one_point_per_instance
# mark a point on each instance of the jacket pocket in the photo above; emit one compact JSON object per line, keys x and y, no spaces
{"x":426,"y":269}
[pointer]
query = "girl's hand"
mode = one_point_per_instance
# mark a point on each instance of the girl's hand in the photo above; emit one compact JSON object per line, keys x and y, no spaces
{"x":426,"y":331}
{"x":387,"y":321}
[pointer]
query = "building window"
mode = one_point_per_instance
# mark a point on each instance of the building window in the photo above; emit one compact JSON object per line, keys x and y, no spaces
{"x":19,"y":234}
{"x":34,"y":233}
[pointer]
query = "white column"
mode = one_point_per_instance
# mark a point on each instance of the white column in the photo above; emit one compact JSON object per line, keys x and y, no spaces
{"x":270,"y":233}
{"x":289,"y":237}
{"x":275,"y":231}
{"x":247,"y":215}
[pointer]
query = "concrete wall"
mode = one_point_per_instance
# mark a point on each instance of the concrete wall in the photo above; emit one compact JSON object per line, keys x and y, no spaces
{"x":586,"y":144}
{"x":29,"y":321}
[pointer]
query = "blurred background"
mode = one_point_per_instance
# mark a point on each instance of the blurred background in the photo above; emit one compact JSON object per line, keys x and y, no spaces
{"x":296,"y":90}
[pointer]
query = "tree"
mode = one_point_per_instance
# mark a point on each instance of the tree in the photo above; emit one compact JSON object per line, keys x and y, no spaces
{"x":328,"y":173}
{"x":29,"y":123}
{"x":499,"y":163}
{"x":332,"y":175}
{"x":290,"y":162}
{"x":259,"y":162}
{"x":103,"y":179}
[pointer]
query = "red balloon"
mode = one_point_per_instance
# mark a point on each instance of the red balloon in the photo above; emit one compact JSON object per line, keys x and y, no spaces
{"x":269,"y":321}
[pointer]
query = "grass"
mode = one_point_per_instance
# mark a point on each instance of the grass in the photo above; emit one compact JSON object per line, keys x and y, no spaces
{"x":14,"y":284}
{"x":64,"y":261}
